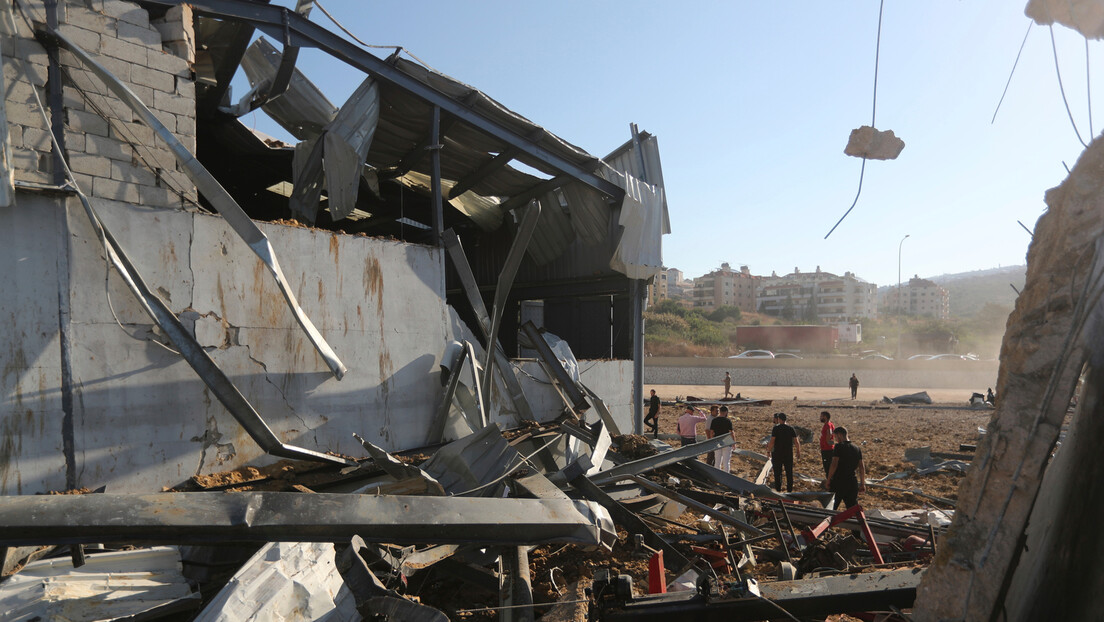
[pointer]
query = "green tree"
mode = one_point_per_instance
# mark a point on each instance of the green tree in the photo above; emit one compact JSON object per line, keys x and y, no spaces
{"x":724,"y":312}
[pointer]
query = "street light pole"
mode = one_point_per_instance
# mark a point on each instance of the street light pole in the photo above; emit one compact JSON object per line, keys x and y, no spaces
{"x":899,"y":294}
{"x":899,"y":272}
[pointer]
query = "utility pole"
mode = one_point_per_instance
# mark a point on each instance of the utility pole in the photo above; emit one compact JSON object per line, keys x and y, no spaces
{"x":899,"y":294}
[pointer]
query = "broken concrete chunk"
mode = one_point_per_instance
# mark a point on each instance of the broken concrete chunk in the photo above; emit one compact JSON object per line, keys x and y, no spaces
{"x":871,"y":144}
{"x":1084,"y":16}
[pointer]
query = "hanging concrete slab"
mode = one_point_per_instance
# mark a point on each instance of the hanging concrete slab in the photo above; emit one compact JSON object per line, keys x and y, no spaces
{"x":871,"y":144}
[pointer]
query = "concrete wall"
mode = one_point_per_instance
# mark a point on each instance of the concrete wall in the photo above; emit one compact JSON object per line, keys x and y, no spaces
{"x":141,"y":417}
{"x":973,"y":375}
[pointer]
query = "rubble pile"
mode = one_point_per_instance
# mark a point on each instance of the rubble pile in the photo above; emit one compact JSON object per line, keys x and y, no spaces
{"x":494,"y":525}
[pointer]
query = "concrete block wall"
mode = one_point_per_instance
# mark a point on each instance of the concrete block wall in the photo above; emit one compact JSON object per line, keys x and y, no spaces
{"x":112,"y":155}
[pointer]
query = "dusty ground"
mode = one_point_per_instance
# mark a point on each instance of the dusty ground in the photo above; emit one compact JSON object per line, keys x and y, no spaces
{"x":882,"y":431}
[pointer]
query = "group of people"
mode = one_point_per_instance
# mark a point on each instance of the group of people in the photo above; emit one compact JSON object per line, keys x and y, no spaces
{"x":844,"y":470}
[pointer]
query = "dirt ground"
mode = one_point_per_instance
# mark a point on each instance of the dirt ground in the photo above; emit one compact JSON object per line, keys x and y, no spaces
{"x":882,"y":431}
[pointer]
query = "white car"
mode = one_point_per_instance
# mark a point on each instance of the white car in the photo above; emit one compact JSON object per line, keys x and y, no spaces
{"x":786,"y":355}
{"x":754,"y":354}
{"x":919,"y":357}
{"x":880,"y":357}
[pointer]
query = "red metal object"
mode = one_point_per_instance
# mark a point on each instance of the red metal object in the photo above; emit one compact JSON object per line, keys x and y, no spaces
{"x":657,"y":581}
{"x":855,"y":512}
{"x":718,"y":560}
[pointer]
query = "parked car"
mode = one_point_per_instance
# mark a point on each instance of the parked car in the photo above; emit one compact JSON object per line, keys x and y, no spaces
{"x":919,"y":357}
{"x":950,"y":357}
{"x":880,"y":357}
{"x":754,"y":354}
{"x":785,"y":355}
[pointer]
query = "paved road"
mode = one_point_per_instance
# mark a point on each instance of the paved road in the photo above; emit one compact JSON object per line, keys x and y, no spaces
{"x":842,"y":394}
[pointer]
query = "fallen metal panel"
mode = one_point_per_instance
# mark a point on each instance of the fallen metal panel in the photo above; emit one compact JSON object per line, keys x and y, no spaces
{"x":473,"y":461}
{"x":400,"y":470}
{"x":215,"y":194}
{"x":603,"y":411}
{"x":724,"y":517}
{"x":292,"y":517}
{"x":502,"y":289}
{"x":115,"y":585}
{"x":651,"y":463}
{"x":471,"y":289}
{"x":302,"y":110}
{"x":371,"y":597}
{"x":287,"y":581}
{"x":561,"y":380}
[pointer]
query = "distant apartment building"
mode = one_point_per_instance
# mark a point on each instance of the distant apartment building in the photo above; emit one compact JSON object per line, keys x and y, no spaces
{"x":818,"y":297}
{"x":727,"y":287}
{"x":919,"y":297}
{"x":677,"y":284}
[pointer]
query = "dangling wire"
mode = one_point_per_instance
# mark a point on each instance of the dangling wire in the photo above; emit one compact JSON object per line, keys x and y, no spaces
{"x":1030,"y":23}
{"x":1088,"y":87}
{"x":873,"y":116}
{"x":1054,"y":47}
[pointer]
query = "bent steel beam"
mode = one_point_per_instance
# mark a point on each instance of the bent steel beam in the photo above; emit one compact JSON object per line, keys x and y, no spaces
{"x":502,"y":291}
{"x":651,"y":463}
{"x":282,"y":23}
{"x":208,"y":371}
{"x":470,"y":286}
{"x":292,"y":517}
{"x":211,"y":189}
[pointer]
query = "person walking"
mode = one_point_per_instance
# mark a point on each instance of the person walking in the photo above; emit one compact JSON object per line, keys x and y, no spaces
{"x":782,"y":447}
{"x":722,"y":458}
{"x":688,"y":426}
{"x":827,"y":440}
{"x":847,"y":460}
{"x":854,"y":382}
{"x":652,"y":418}
{"x":728,"y":384}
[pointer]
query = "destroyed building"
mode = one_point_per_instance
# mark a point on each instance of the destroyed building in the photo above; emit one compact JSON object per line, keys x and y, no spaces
{"x":414,"y":172}
{"x":422,"y":269}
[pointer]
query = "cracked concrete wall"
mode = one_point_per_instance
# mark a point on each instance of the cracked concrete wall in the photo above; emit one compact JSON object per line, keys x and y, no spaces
{"x":141,"y":417}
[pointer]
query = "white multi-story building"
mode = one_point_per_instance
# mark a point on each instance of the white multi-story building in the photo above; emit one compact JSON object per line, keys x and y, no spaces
{"x":818,"y":296}
{"x":726,"y":287}
{"x":919,"y":297}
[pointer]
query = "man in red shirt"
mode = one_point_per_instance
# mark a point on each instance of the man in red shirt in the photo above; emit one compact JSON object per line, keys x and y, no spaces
{"x":827,"y":443}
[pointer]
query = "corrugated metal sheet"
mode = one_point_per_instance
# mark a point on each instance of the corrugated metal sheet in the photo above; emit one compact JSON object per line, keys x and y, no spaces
{"x":109,"y":586}
{"x":288,"y":582}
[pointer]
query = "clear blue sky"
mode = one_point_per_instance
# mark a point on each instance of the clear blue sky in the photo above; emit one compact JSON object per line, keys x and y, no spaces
{"x":753,"y":102}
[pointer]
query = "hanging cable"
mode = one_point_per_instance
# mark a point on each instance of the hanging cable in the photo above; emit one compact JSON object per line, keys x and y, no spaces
{"x":1029,"y":25}
{"x":397,"y":48}
{"x":1054,"y":47}
{"x":1088,"y":87}
{"x":873,"y":115}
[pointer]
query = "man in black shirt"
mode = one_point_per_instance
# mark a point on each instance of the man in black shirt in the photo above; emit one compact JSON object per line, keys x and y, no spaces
{"x":847,"y":460}
{"x":652,"y":418}
{"x":721,"y":425}
{"x":782,"y":447}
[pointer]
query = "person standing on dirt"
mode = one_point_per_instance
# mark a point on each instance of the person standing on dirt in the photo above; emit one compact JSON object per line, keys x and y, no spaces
{"x":688,"y":426}
{"x":728,"y":385}
{"x":722,"y":458}
{"x":854,"y":382}
{"x":847,"y":460}
{"x":827,"y":440}
{"x":713,"y":414}
{"x":652,"y":418}
{"x":783,"y":445}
